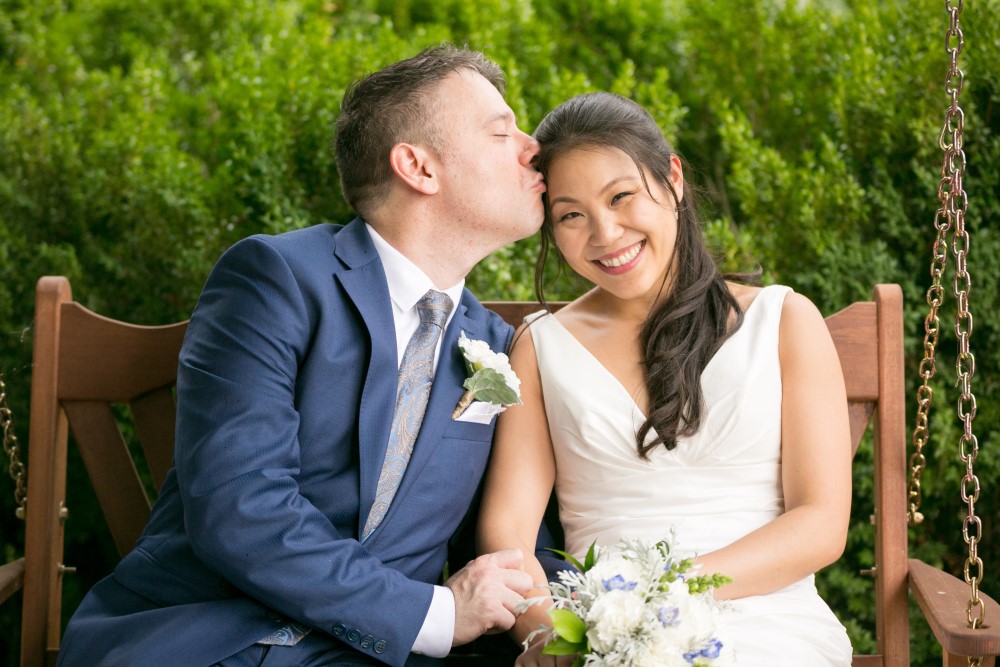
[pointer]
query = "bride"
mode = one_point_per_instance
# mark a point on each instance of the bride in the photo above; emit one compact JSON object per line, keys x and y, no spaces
{"x":670,"y":399}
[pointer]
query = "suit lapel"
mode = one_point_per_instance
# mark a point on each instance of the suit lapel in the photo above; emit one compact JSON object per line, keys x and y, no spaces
{"x":366,"y":285}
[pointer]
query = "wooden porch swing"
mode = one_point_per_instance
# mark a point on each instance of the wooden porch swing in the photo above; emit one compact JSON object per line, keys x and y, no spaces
{"x":83,"y":363}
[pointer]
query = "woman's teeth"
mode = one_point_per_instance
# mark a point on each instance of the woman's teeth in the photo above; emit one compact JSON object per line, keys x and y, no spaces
{"x":625,"y":258}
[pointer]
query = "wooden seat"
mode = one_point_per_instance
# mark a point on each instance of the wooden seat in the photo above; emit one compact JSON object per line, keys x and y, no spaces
{"x":85,"y":363}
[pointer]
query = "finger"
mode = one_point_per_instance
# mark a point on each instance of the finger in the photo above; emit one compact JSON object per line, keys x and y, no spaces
{"x":512,"y":602}
{"x":517,"y":581}
{"x":501,"y":621}
{"x":512,"y":559}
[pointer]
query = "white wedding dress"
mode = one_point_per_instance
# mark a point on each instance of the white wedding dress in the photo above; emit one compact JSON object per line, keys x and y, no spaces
{"x":711,"y":490}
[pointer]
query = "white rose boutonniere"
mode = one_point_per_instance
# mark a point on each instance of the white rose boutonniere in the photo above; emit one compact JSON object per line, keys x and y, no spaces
{"x":491,"y":380}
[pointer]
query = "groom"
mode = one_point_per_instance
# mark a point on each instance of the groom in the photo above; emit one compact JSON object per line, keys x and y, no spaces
{"x":308,"y":514}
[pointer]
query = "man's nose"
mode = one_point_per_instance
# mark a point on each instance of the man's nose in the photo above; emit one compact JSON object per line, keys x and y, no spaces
{"x":531,"y":149}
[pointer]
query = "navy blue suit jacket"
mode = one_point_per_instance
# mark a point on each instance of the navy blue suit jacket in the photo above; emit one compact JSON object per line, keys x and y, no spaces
{"x":286,"y":387}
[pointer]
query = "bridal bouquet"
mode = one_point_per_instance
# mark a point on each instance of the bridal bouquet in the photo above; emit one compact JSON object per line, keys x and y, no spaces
{"x":636,"y":606}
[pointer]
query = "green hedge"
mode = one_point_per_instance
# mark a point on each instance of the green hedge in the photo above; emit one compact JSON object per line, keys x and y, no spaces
{"x":140,"y":138}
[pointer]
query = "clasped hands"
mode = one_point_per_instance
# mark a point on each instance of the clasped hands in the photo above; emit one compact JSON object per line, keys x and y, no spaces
{"x":487,"y":594}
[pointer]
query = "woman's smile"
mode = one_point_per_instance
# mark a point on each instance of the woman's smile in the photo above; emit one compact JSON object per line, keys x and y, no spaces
{"x":621,"y":261}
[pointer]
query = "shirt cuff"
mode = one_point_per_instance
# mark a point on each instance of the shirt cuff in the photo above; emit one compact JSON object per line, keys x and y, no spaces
{"x":438,"y":631}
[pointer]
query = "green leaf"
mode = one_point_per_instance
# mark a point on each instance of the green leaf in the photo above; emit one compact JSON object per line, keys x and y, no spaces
{"x":591,"y":558}
{"x":569,"y":558}
{"x":568,"y":625}
{"x":490,"y":386}
{"x":559,"y":646}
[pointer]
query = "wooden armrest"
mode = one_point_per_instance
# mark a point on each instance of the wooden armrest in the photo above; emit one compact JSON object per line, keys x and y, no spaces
{"x":944,"y":599}
{"x":11,"y":578}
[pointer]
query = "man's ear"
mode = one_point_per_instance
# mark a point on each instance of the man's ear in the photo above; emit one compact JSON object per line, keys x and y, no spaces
{"x":415,"y":166}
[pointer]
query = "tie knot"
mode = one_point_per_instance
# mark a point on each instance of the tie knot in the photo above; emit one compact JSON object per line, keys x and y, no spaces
{"x":434,"y":307}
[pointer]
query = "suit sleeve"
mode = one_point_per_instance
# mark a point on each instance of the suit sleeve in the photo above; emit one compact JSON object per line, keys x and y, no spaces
{"x":237,"y":457}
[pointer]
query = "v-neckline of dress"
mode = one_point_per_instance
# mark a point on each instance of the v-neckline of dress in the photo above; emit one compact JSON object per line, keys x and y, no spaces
{"x":618,"y":382}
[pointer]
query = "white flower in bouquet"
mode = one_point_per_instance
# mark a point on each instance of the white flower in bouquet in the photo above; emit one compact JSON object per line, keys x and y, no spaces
{"x":613,"y":617}
{"x":637,"y":606}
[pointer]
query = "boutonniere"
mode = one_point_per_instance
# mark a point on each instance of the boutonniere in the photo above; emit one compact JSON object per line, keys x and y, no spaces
{"x":491,"y":379}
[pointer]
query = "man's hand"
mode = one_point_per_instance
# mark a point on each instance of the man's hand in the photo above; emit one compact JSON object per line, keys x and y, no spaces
{"x":487,"y":592}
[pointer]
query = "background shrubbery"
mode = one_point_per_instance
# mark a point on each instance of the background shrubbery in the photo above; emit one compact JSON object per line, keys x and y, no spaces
{"x":140,"y":138}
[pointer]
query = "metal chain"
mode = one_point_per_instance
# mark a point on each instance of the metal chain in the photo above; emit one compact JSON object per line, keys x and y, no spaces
{"x":13,"y":451}
{"x":951,"y":216}
{"x":943,"y":218}
{"x":928,"y":367}
{"x":965,"y":363}
{"x":955,"y":204}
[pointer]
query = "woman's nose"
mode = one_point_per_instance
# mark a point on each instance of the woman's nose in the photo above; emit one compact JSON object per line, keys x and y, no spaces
{"x":605,"y":229}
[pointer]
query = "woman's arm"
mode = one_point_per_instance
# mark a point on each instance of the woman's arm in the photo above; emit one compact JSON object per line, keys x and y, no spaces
{"x":519,"y":480}
{"x":815,"y":471}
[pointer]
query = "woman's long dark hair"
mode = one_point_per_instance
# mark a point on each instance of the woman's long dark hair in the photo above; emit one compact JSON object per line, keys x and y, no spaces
{"x":688,"y":325}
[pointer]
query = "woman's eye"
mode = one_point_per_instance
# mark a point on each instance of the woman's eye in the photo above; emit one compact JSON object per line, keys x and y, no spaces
{"x":568,"y":216}
{"x":621,"y":195}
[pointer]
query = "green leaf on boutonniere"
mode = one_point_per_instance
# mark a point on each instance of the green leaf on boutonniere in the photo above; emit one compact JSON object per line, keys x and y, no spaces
{"x":490,"y":386}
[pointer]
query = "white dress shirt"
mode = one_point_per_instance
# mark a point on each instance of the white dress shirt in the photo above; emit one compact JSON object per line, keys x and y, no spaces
{"x":407,"y":284}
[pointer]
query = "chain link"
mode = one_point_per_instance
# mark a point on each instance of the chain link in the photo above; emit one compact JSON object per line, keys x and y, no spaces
{"x":13,"y":451}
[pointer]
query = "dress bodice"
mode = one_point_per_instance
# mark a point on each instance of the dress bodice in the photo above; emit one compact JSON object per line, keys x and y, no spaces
{"x":712,"y":488}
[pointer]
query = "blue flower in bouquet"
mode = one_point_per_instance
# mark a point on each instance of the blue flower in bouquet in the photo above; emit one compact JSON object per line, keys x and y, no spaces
{"x":635,"y":606}
{"x":668,"y":616}
{"x":618,"y":583}
{"x":712,"y":651}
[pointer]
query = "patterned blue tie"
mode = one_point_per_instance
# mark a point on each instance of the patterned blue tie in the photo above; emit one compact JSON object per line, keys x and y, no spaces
{"x":416,"y":373}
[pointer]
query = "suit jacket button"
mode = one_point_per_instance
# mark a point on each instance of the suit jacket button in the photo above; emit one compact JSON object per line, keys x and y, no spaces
{"x":380,"y":646}
{"x":339,"y":630}
{"x":367,"y":641}
{"x":353,"y":635}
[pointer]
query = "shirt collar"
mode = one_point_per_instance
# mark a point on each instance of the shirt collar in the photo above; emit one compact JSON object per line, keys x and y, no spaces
{"x":407,"y":283}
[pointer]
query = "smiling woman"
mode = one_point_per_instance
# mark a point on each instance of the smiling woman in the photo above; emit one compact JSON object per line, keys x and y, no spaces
{"x":616,"y":183}
{"x":665,"y":383}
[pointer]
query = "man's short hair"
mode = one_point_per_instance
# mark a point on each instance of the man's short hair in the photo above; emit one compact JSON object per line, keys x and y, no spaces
{"x":391,"y":106}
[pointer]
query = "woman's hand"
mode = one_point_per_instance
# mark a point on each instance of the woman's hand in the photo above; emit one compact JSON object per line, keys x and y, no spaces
{"x":533,"y":657}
